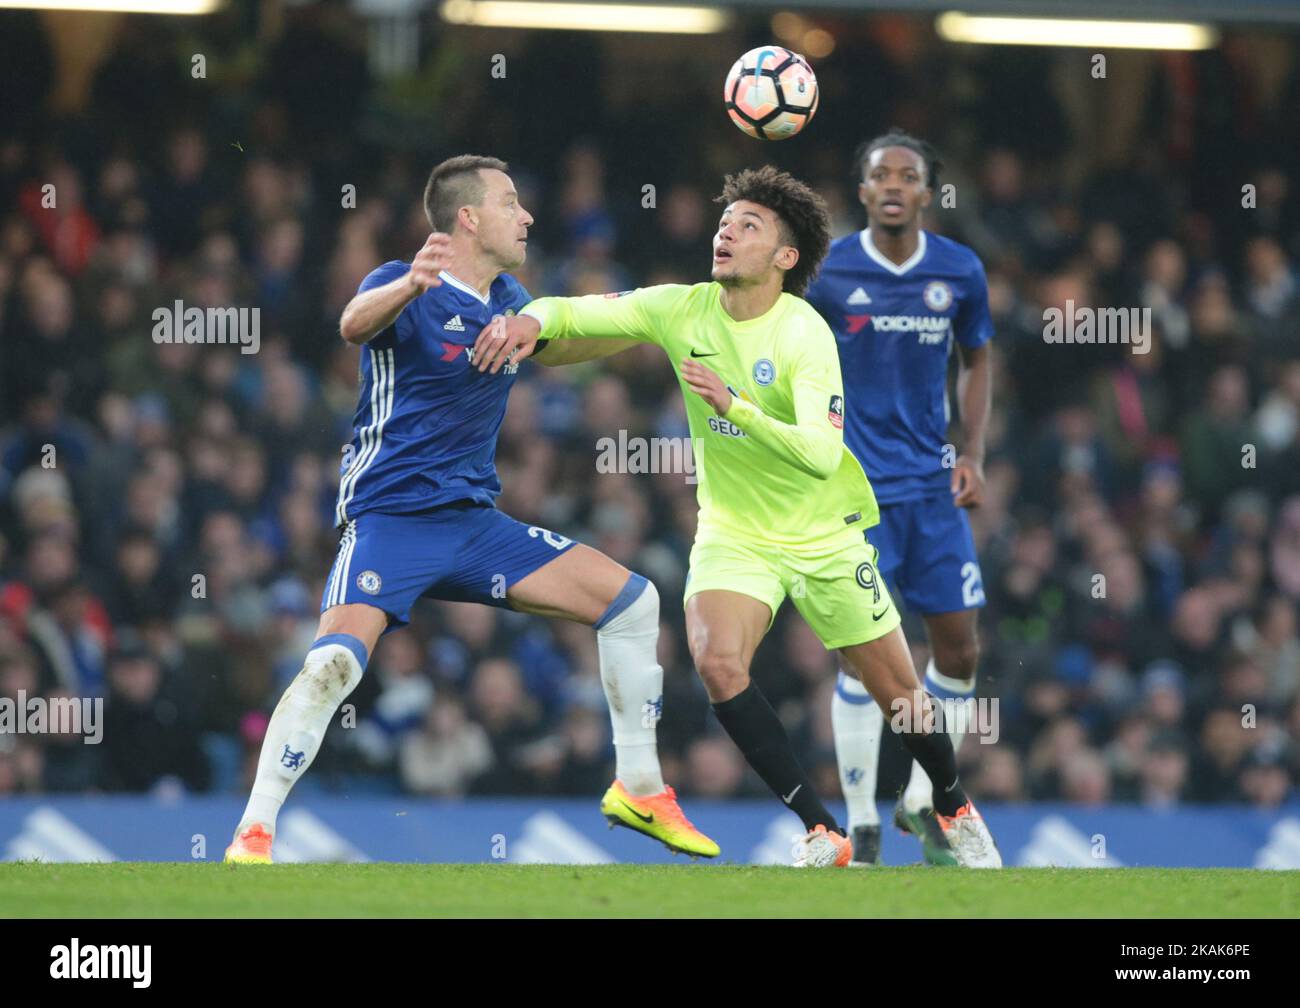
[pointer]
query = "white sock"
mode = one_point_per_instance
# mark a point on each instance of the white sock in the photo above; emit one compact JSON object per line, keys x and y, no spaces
{"x":920,"y":793}
{"x":857,"y":723}
{"x":634,"y":684}
{"x":331,"y":671}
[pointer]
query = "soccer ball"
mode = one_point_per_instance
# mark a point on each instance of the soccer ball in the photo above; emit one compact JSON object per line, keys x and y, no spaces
{"x":771,"y":93}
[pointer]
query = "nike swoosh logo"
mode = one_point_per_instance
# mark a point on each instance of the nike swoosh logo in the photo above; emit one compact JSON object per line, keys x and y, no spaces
{"x":877,"y":619}
{"x":644,"y":818}
{"x":788,"y":798}
{"x":694,"y":354}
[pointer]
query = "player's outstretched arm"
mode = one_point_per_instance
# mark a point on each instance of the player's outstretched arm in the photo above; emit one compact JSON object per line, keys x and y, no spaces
{"x":519,"y":336}
{"x":570,"y":351}
{"x":371,"y":312}
{"x":613,"y":321}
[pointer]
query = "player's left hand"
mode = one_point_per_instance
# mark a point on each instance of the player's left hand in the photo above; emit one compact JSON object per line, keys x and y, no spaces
{"x":968,"y":482}
{"x":707,"y":385}
{"x":505,"y":340}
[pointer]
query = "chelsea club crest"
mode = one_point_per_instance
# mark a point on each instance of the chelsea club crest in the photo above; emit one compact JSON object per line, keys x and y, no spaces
{"x":937,"y":296}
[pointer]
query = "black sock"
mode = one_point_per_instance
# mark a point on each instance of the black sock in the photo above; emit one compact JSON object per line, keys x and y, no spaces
{"x":935,"y":754}
{"x":760,"y":736}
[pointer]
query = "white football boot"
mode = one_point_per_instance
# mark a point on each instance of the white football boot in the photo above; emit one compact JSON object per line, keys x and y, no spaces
{"x":969,"y":838}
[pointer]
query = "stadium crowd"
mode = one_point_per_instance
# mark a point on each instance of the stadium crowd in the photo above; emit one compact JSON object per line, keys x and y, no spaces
{"x":167,"y":507}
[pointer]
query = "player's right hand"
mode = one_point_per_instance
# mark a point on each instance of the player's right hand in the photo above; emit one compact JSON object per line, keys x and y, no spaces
{"x":506,"y":339}
{"x":968,"y":482}
{"x":431,"y":260}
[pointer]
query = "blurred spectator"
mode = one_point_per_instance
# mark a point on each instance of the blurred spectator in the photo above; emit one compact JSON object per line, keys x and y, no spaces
{"x":511,"y":721}
{"x":146,"y":736}
{"x":1164,"y":772}
{"x":998,"y":776}
{"x":1264,"y":780}
{"x":446,"y":753}
{"x":714,"y":768}
{"x":404,"y":695}
{"x":1225,"y":741}
{"x":1214,"y":439}
{"x":1085,"y":779}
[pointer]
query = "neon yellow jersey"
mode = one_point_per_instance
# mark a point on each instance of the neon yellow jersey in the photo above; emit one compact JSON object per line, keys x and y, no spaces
{"x":774,"y":468}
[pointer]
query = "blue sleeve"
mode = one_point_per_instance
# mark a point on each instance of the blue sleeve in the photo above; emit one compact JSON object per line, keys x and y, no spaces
{"x":973,"y":325}
{"x":381,"y":275}
{"x":377,"y":277}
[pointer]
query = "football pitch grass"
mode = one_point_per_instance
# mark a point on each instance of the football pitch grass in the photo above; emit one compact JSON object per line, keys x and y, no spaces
{"x":33,"y":889}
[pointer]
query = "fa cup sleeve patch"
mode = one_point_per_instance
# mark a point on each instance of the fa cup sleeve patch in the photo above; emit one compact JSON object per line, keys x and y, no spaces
{"x":835,"y":412}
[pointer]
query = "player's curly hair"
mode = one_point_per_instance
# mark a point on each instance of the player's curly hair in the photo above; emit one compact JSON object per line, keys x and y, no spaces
{"x":453,"y":184}
{"x":899,"y":138}
{"x":805,"y":222}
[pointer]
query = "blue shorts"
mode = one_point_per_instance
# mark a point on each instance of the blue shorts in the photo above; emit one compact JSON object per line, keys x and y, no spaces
{"x":461,"y":552}
{"x":927,"y":555}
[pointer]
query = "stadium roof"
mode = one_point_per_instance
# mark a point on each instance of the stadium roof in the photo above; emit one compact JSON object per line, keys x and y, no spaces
{"x":1215,"y":11}
{"x":1259,"y":11}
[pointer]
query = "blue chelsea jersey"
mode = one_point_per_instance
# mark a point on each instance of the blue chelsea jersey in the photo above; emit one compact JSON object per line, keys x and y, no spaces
{"x":425,"y":429}
{"x":895,"y":325}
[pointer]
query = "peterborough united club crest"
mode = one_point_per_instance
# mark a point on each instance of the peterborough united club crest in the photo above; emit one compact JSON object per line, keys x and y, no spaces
{"x":369,"y":582}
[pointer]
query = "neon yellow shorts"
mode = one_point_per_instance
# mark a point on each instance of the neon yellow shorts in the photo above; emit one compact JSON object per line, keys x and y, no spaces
{"x":834,"y":584}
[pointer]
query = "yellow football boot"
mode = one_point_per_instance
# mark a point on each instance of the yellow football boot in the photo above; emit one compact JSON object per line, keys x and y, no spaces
{"x":657,"y":816}
{"x":253,"y":846}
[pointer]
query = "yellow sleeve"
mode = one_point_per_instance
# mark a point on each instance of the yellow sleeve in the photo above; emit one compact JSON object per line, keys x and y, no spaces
{"x":638,"y":315}
{"x":814,"y":443}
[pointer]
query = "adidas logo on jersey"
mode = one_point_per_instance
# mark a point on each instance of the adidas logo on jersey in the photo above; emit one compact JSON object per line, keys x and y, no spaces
{"x":454,"y":324}
{"x":859,"y":296}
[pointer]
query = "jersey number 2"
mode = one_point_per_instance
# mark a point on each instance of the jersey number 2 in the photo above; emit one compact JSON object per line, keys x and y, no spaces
{"x":551,"y":538}
{"x":972,"y":586}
